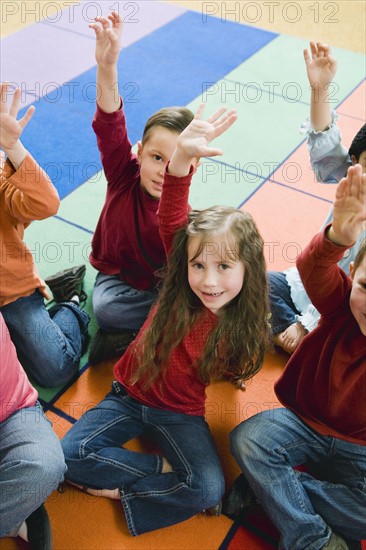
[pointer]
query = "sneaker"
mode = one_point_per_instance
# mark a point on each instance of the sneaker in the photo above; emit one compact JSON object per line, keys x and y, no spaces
{"x":39,"y":530}
{"x":240,"y":497}
{"x":336,"y":543}
{"x":67,"y":283}
{"x":106,"y":345}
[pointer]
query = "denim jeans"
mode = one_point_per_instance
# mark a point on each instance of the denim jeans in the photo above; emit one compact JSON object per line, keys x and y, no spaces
{"x":282,"y":307}
{"x":304,"y":509}
{"x":117,"y":305}
{"x":150,"y":499}
{"x":48,"y":343}
{"x":31,"y":465}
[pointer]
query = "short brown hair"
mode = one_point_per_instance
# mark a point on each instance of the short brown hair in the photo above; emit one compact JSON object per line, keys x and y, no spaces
{"x":175,"y":119}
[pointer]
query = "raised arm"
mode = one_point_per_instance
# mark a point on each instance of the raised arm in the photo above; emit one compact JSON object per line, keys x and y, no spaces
{"x":192,"y":143}
{"x":108,"y":33}
{"x":321,"y":68}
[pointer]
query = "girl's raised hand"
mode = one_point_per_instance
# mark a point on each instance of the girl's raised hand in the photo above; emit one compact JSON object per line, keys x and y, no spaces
{"x":108,"y":34}
{"x":194,"y":140}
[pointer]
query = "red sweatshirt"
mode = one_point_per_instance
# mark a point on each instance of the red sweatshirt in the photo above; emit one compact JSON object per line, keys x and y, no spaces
{"x":126,"y":241}
{"x":324,"y":382}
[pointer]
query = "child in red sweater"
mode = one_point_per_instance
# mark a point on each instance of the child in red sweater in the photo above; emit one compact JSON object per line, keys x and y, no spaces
{"x":323,"y":390}
{"x":211,"y":319}
{"x":126,"y":249}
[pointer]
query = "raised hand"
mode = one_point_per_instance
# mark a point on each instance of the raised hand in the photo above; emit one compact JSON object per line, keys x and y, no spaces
{"x":320,"y":66}
{"x":108,"y":34}
{"x":10,"y":128}
{"x":349,"y":212}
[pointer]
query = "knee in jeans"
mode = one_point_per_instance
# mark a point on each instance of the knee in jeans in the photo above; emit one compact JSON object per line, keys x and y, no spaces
{"x":243,"y":440}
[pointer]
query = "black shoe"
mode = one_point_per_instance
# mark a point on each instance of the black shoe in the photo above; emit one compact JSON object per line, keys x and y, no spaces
{"x":214,"y":510}
{"x":39,"y":530}
{"x":67,"y":283}
{"x":240,"y":497}
{"x":106,"y":345}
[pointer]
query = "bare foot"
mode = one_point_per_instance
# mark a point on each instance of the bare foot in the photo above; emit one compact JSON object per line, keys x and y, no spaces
{"x":107,"y":493}
{"x":166,"y":467}
{"x":290,"y":338}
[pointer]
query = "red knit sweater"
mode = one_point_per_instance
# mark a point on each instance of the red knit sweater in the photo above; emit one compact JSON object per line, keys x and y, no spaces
{"x":324,"y":382}
{"x":181,"y":390}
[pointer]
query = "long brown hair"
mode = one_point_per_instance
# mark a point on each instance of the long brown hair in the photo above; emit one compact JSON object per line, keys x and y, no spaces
{"x":238,"y":342}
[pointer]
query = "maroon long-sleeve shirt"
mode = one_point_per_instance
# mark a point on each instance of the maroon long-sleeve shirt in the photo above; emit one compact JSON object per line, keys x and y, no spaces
{"x":324,"y":381}
{"x":126,"y":241}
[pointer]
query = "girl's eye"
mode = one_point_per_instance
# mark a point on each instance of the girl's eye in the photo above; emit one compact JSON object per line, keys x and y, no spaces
{"x":224,"y":267}
{"x":197,"y":266}
{"x":158,"y":158}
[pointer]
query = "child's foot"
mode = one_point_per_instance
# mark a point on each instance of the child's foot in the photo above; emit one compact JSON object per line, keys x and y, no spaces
{"x":240,"y":497}
{"x":38,"y":530}
{"x":67,"y":285}
{"x":290,"y":338}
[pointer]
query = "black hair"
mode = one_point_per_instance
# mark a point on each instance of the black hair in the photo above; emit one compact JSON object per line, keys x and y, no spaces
{"x":358,"y":145}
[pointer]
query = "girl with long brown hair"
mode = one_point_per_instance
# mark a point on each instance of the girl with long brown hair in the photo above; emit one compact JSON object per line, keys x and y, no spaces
{"x":210,"y":320}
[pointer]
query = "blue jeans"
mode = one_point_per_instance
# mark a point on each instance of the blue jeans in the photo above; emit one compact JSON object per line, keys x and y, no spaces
{"x":31,"y":465}
{"x":118,"y":306}
{"x":282,"y":307}
{"x":150,"y":499}
{"x":48,"y":343}
{"x":305,"y":510}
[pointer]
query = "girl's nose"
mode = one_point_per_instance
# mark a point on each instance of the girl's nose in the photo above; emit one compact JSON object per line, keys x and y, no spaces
{"x":210,"y":279}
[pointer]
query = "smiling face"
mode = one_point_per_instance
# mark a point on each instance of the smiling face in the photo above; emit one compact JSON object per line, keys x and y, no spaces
{"x":215,"y":275}
{"x":357,"y":299}
{"x":153,"y":156}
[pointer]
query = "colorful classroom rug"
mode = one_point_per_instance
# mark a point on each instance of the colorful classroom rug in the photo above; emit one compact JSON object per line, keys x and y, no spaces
{"x":176,"y":54}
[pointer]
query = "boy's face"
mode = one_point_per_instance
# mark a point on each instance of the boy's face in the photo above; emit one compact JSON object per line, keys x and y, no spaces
{"x":357,"y":299}
{"x":153,"y":156}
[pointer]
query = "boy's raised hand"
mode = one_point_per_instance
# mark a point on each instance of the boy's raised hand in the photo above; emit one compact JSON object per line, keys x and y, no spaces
{"x":320,"y":66}
{"x":10,"y":128}
{"x":108,"y":38}
{"x":349,"y":213}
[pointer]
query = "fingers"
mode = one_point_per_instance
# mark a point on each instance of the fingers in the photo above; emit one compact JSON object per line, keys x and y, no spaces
{"x":353,"y":184}
{"x":14,"y":108}
{"x":104,"y":23}
{"x":199,"y":112}
{"x":224,"y":124}
{"x":4,"y":88}
{"x":216,"y":115}
{"x":28,"y":115}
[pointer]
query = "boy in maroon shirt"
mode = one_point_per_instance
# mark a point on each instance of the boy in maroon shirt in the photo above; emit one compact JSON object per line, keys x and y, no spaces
{"x":126,"y":248}
{"x":323,"y":389}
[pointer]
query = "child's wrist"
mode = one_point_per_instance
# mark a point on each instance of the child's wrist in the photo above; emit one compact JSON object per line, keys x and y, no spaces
{"x":336,"y":239}
{"x":16,"y":154}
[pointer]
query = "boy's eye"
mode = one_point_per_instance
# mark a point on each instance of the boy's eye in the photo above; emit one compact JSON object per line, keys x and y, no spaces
{"x":158,"y":158}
